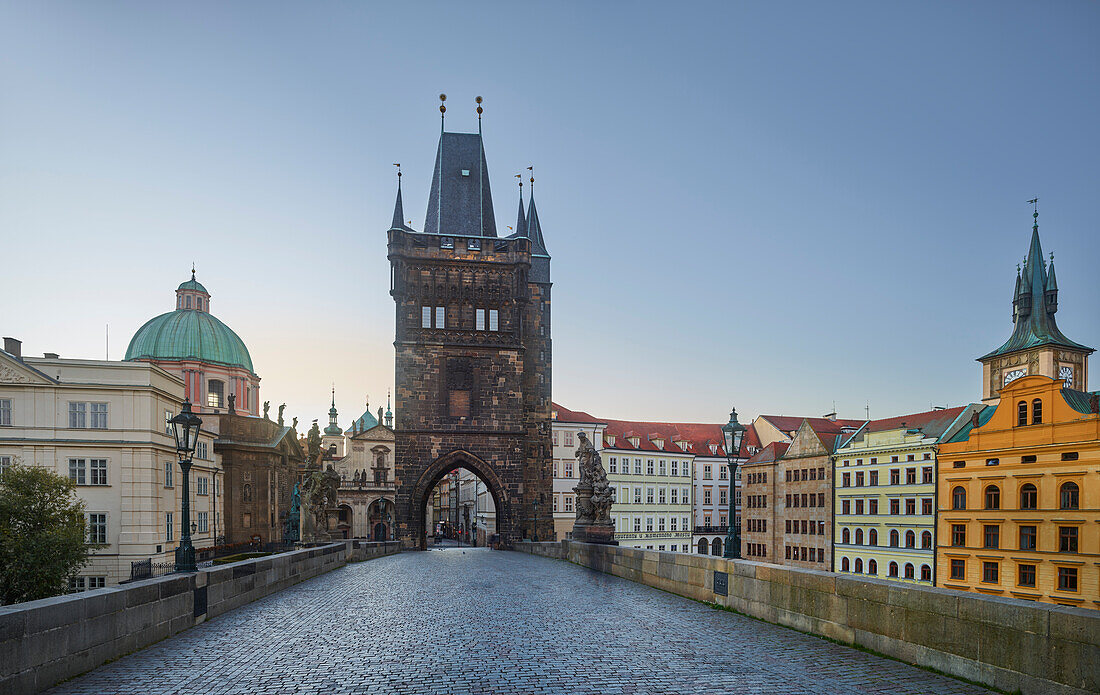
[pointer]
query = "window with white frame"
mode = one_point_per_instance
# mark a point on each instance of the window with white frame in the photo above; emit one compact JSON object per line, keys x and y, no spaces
{"x":168,"y":526}
{"x":97,"y":471}
{"x":202,"y":450}
{"x":567,"y":469}
{"x":479,"y":319}
{"x":612,"y":467}
{"x":78,"y":471}
{"x":168,"y":472}
{"x":661,"y":467}
{"x":637,"y":495}
{"x":5,"y":464}
{"x":674,"y":496}
{"x":77,"y":584}
{"x":97,"y":528}
{"x":675,"y":468}
{"x":661,"y":495}
{"x":202,"y":485}
{"x":78,"y":415}
{"x":649,"y":524}
{"x":204,"y":522}
{"x":637,"y":524}
{"x":568,"y":503}
{"x":425,"y":317}
{"x":706,"y":471}
{"x":555,"y":503}
{"x":98,"y":416}
{"x":5,"y":412}
{"x":168,"y":422}
{"x":96,"y":583}
{"x":649,"y":467}
{"x":637,"y":466}
{"x":672,"y":523}
{"x":723,"y":497}
{"x":649,"y":495}
{"x":660,"y":523}
{"x":440,"y":317}
{"x":684,"y":498}
{"x":494,"y":320}
{"x":723,"y":472}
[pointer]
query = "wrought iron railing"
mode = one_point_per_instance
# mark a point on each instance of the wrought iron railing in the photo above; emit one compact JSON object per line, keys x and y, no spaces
{"x":712,"y":529}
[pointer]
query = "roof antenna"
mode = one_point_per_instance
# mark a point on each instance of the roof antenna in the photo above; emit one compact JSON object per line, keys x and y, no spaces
{"x":480,"y":173}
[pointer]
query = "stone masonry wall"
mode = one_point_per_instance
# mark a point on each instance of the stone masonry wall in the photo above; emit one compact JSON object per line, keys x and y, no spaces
{"x":1010,"y":644}
{"x":45,"y":642}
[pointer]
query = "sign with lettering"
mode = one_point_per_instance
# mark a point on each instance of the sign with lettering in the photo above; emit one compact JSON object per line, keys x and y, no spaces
{"x":721,"y":583}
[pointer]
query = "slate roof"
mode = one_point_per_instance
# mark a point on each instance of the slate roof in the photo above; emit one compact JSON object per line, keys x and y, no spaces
{"x":1081,"y":401}
{"x":460,"y":204}
{"x":1035,"y":326}
{"x":534,"y":230}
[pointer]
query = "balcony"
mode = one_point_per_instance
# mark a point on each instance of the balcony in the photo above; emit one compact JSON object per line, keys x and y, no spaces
{"x":712,"y":529}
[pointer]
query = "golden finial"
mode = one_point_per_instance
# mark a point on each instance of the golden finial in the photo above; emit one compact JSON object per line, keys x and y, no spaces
{"x":398,"y":165}
{"x":479,"y":110}
{"x":532,"y":170}
{"x":442,"y":108}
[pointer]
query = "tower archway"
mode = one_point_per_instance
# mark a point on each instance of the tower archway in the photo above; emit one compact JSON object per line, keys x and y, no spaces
{"x":413,"y":532}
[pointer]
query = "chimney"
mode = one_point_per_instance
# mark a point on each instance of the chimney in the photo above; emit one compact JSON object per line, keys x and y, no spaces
{"x":830,"y":416}
{"x":51,"y":355}
{"x":13,"y":347}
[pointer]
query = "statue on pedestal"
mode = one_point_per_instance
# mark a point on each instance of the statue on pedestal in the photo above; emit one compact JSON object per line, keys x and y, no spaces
{"x":320,"y":496}
{"x":281,"y":409}
{"x":313,"y":440}
{"x":594,"y":497}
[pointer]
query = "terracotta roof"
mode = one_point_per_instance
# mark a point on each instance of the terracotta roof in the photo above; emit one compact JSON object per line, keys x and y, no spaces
{"x":567,"y":415}
{"x":768,"y":454}
{"x":821,"y":425}
{"x":931,"y":422}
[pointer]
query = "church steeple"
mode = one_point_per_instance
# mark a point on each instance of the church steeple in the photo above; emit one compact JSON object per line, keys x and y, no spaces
{"x":521,"y":218}
{"x":333,"y":428}
{"x":398,"y":208}
{"x":1031,"y":347}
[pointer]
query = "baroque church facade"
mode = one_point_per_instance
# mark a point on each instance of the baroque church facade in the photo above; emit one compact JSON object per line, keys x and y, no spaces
{"x":473,"y":349}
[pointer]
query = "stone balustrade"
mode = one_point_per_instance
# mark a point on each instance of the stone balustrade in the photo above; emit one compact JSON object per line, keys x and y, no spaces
{"x":1010,"y":644}
{"x":47,"y":641}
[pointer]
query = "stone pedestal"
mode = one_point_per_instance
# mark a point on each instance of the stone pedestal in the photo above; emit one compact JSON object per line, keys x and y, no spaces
{"x":587,"y":530}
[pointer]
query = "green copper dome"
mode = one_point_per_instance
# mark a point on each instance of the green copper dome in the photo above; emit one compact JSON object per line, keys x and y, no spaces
{"x":192,"y":284}
{"x":188,"y":334}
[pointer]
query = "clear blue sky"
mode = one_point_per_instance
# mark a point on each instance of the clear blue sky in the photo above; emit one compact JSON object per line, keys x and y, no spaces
{"x":771,"y":205}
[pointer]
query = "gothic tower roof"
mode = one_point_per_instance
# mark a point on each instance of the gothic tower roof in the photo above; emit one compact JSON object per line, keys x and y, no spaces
{"x":1034,"y":305}
{"x":460,"y":203}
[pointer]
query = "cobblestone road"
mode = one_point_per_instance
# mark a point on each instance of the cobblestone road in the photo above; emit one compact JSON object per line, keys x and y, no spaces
{"x":478,"y":621}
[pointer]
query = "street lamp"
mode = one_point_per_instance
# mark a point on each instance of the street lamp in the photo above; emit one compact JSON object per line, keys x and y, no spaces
{"x":732,"y":432}
{"x":185,"y":428}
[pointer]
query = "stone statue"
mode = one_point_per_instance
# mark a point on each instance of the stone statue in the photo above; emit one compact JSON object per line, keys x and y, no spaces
{"x":320,"y":491}
{"x":314,"y":441}
{"x":379,"y":415}
{"x":293,"y":529}
{"x":267,"y":407}
{"x":232,"y":404}
{"x":594,"y":497}
{"x":281,"y":409}
{"x":294,"y":424}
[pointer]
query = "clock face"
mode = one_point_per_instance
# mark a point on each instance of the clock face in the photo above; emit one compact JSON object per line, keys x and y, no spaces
{"x":1014,"y":375}
{"x":1066,"y":375}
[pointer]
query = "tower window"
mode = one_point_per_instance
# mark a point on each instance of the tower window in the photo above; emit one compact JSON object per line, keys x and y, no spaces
{"x":187,"y":301}
{"x":494,"y":320}
{"x":479,"y":318}
{"x":1037,"y":412}
{"x":440,"y":317}
{"x":426,"y":317}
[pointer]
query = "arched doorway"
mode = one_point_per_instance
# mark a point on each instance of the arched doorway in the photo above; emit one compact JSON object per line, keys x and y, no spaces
{"x":703,"y":546}
{"x":716,"y":547}
{"x":457,"y":525}
{"x":343,"y":522}
{"x":380,"y":520}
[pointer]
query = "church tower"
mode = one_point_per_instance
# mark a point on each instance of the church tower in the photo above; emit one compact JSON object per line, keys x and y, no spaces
{"x":473,"y":350}
{"x":1036,"y":346}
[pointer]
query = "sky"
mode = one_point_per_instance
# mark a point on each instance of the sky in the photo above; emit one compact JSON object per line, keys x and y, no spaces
{"x":789,"y":208}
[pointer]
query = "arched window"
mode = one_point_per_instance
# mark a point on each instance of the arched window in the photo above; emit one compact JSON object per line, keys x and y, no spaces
{"x":894,"y":538}
{"x":846,"y":536}
{"x":1069,"y":497}
{"x":703,"y":546}
{"x":993,"y":497}
{"x":1029,"y":497}
{"x":198,"y":303}
{"x":893,"y":569}
{"x":958,"y":498}
{"x":926,"y":540}
{"x":214,"y":392}
{"x":844,"y":565}
{"x":910,"y":539}
{"x":859,"y":565}
{"x":909,"y":571}
{"x":1037,"y":412}
{"x":925,"y":573}
{"x":872,"y":567}
{"x":1021,"y":413}
{"x":859,"y":536}
{"x":716,"y":547}
{"x":872,"y":538}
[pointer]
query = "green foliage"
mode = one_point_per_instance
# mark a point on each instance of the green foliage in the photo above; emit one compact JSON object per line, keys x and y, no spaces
{"x":42,"y":534}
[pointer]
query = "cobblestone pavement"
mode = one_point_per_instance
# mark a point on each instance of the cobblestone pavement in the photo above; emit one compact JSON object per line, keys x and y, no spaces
{"x":479,"y":621}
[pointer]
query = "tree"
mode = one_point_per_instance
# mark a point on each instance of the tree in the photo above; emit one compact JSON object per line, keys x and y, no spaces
{"x":42,"y":534}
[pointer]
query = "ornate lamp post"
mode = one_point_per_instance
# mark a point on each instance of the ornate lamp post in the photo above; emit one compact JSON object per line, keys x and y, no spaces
{"x":732,"y":432}
{"x":185,"y":427}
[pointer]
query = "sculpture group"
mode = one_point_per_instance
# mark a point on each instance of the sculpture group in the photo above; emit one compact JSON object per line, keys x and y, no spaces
{"x":594,"y":497}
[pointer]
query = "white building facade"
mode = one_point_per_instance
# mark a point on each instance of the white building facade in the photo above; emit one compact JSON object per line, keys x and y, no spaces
{"x":104,"y":425}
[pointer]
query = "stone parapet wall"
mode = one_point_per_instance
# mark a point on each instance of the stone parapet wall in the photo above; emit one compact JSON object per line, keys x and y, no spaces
{"x":1010,"y":644}
{"x":45,"y":642}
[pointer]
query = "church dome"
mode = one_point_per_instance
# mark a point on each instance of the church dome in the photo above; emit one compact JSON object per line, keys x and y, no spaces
{"x":189,"y":333}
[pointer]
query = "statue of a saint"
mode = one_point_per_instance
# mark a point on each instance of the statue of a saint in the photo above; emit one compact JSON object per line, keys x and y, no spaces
{"x":294,"y":424}
{"x":281,"y":409}
{"x":314,"y":441}
{"x":232,"y":403}
{"x":594,"y":496}
{"x":267,"y":407}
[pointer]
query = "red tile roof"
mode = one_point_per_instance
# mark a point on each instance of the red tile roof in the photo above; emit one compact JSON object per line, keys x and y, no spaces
{"x":821,"y":425}
{"x":768,"y":454}
{"x":567,"y":415}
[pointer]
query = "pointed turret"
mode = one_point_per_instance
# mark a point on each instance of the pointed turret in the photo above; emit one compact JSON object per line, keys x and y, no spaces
{"x":389,"y":413}
{"x":521,"y":218}
{"x":398,"y":209}
{"x":534,"y":229}
{"x":333,"y":428}
{"x":1051,"y":294}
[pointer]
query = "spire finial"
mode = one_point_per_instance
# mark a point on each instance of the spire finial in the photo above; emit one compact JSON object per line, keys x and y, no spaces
{"x":532,"y":170}
{"x":398,"y":165}
{"x":479,"y":112}
{"x":333,"y":395}
{"x":442,"y":110}
{"x":1035,"y":214}
{"x":192,"y":270}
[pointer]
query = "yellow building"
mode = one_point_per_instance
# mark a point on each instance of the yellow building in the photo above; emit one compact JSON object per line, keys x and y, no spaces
{"x":1019,"y":497}
{"x":1018,"y":488}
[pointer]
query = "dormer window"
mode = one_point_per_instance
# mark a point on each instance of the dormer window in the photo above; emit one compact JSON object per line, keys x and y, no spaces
{"x":473,"y":244}
{"x":611,"y":440}
{"x":446,"y":242}
{"x":713,"y":449}
{"x":634,"y":441}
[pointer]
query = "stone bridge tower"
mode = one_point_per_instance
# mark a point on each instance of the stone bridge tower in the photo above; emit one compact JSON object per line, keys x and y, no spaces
{"x":473,"y":350}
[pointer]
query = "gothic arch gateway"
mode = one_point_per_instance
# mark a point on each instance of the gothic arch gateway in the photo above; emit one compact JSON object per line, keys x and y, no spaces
{"x":472,"y":350}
